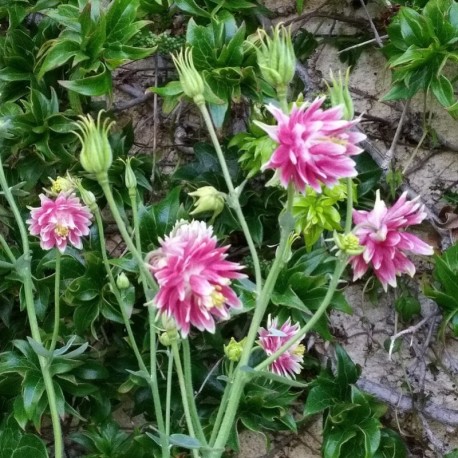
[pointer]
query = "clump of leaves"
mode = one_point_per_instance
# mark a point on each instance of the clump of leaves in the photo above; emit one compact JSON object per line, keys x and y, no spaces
{"x":445,"y":291}
{"x":317,"y":212}
{"x":352,"y":425}
{"x":420,"y":45}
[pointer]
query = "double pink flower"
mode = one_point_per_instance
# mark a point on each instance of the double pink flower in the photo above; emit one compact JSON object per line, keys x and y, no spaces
{"x":60,"y":221}
{"x":382,"y":232}
{"x":315,"y":146}
{"x":194,"y":277}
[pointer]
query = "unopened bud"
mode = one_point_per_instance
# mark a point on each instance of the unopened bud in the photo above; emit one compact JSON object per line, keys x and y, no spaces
{"x":233,"y":350}
{"x":88,"y":198}
{"x":122,"y":282}
{"x":340,"y":94}
{"x":96,"y":155}
{"x":276,"y":58}
{"x":129,"y":177}
{"x":191,"y":80}
{"x":170,"y":333}
{"x":208,"y":199}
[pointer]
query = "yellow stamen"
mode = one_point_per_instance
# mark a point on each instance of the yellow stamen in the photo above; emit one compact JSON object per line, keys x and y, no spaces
{"x":217,"y":298}
{"x":61,"y":231}
{"x":299,"y":350}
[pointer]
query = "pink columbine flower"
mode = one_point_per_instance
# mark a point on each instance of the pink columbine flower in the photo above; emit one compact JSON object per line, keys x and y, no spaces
{"x":194,"y":277}
{"x":60,"y":221}
{"x":272,"y":338}
{"x":315,"y":146}
{"x":381,"y":233}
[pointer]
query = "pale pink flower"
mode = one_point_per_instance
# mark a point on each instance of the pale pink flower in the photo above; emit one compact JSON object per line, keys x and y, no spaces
{"x":60,"y":221}
{"x":315,"y":146}
{"x":273,"y":337}
{"x":194,"y":277}
{"x":381,"y":233}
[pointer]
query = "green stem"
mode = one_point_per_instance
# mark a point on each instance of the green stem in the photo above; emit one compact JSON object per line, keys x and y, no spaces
{"x":26,"y":275}
{"x":240,"y":378}
{"x":116,"y":293}
{"x":8,"y":252}
{"x":55,"y":334}
{"x":149,"y":287}
{"x":190,"y":392}
{"x":233,"y":196}
{"x":102,"y":178}
{"x":184,"y":398}
{"x":282,"y":95}
{"x":349,"y":215}
{"x":222,"y":409}
{"x":168,"y":396}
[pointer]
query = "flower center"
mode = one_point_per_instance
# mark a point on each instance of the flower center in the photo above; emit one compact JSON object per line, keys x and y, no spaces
{"x":61,"y":230}
{"x":217,"y":298}
{"x":299,"y":350}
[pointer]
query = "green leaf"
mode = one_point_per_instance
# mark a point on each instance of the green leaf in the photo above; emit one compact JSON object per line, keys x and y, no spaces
{"x":415,"y":29}
{"x":271,"y":376}
{"x":92,"y":86}
{"x":321,"y":397}
{"x":190,"y":6}
{"x":182,"y":440}
{"x":347,"y":372}
{"x":407,"y":307}
{"x":335,"y":440}
{"x":33,"y":388}
{"x":58,"y":54}
{"x":443,"y":91}
{"x":170,"y":89}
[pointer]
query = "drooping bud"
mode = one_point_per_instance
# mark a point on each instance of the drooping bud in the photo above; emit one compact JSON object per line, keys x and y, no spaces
{"x":191,"y":80}
{"x":340,"y":94}
{"x":276,"y":58}
{"x":88,"y":198}
{"x":208,"y":199}
{"x":96,"y":155}
{"x":122,"y":282}
{"x":233,"y":350}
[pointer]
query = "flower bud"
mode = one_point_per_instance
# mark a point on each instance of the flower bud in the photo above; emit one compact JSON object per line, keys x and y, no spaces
{"x":208,"y":199}
{"x":170,"y":334}
{"x":276,"y":58}
{"x":190,"y":79}
{"x":340,"y":94}
{"x":88,"y":198}
{"x":233,"y":350}
{"x":129,"y":177}
{"x":122,"y":282}
{"x":96,"y":155}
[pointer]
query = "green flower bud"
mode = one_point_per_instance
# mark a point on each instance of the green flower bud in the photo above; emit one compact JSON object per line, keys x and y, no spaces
{"x":191,"y":80}
{"x":88,"y":198}
{"x":340,"y":94}
{"x":129,"y":177}
{"x":233,"y":350}
{"x":276,"y":58}
{"x":348,"y":244}
{"x":208,"y":199}
{"x":170,"y":333}
{"x":96,"y":155}
{"x":122,"y":282}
